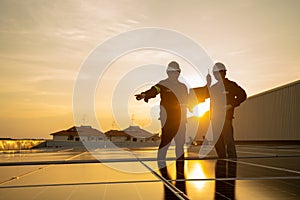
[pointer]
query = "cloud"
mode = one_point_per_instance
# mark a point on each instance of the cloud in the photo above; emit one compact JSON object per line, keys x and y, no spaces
{"x":43,"y":43}
{"x":238,"y":52}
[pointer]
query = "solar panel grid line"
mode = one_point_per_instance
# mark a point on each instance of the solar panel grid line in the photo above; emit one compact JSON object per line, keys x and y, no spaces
{"x":268,"y":167}
{"x":35,"y":170}
{"x":22,"y":175}
{"x":275,"y":180}
{"x":272,"y":149}
{"x":169,"y":185}
{"x":72,"y":157}
{"x":14,"y":178}
{"x":138,"y":192}
{"x":289,"y":150}
{"x":223,"y":196}
{"x":77,"y":184}
{"x":39,"y":192}
{"x":66,"y":150}
{"x":105,"y":191}
{"x":152,"y":181}
{"x":57,"y":162}
{"x":72,"y":192}
{"x":241,"y":178}
{"x":258,"y":153}
{"x":166,"y":182}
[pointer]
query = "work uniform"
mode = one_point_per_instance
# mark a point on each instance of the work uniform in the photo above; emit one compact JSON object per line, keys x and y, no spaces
{"x":174,"y":95}
{"x":222,"y":94}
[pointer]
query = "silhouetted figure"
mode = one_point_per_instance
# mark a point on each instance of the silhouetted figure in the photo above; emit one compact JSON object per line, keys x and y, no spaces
{"x":180,"y":177}
{"x":225,"y":95}
{"x":180,"y":182}
{"x":174,"y":95}
{"x":226,"y":170}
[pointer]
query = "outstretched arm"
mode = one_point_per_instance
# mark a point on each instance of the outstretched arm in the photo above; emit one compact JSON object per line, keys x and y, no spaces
{"x":151,"y":93}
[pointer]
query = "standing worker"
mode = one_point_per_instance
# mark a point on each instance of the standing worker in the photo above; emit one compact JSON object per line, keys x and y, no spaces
{"x":173,"y":105}
{"x":225,"y":96}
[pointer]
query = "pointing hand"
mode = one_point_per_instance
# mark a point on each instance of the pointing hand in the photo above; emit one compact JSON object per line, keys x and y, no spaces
{"x":139,"y":96}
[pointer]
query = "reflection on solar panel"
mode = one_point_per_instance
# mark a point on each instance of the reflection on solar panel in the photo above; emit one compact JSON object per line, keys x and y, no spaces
{"x":264,"y":172}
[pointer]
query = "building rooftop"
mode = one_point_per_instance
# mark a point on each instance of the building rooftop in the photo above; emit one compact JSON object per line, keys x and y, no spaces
{"x":136,"y":131}
{"x":294,"y":83}
{"x":82,"y":130}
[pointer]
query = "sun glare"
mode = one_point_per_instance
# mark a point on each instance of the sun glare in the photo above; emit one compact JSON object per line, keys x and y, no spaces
{"x":196,"y":172}
{"x":201,"y":108}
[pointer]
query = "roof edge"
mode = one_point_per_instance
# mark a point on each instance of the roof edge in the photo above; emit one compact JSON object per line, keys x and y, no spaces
{"x":275,"y":89}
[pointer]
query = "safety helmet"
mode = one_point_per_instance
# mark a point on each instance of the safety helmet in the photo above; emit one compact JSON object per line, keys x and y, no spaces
{"x":219,"y":67}
{"x":173,"y":66}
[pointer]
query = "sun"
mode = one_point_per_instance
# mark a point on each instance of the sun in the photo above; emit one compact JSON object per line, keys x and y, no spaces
{"x":201,"y":108}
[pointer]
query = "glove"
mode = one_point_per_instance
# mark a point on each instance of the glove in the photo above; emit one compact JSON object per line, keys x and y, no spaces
{"x":139,"y":96}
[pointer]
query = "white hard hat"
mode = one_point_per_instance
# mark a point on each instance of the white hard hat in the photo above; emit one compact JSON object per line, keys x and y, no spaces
{"x":173,"y":66}
{"x":219,"y":67}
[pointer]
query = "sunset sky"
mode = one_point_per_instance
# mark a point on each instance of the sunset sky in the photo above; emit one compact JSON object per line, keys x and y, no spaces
{"x":44,"y":43}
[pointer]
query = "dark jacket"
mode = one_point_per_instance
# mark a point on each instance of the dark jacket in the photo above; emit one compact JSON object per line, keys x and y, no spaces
{"x":174,"y":96}
{"x":222,"y":94}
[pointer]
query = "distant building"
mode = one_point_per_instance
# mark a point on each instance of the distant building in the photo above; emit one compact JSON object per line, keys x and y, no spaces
{"x":131,"y":134}
{"x":88,"y":137}
{"x":117,"y":136}
{"x":140,"y":135}
{"x":273,"y":115}
{"x":81,"y":133}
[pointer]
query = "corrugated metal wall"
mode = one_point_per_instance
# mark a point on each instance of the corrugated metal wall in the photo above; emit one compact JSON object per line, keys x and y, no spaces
{"x":272,"y":115}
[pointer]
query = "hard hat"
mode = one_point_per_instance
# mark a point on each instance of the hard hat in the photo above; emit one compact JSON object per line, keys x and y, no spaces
{"x":219,"y":67}
{"x":173,"y":66}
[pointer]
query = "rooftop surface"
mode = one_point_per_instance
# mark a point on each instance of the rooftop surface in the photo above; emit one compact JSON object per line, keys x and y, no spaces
{"x":261,"y":172}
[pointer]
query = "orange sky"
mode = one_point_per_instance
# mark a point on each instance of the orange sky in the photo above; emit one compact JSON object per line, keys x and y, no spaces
{"x":44,"y":43}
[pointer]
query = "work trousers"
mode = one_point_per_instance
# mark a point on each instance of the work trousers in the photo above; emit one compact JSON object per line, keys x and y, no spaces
{"x":172,"y":129}
{"x":225,"y":145}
